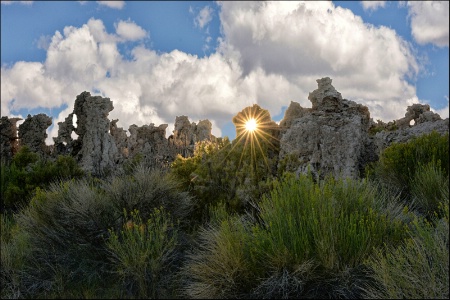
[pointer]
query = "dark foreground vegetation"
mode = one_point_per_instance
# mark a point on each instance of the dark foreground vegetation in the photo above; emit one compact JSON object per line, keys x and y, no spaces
{"x":226,"y":223}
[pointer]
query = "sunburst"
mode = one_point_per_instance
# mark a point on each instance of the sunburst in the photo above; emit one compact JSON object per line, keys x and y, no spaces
{"x":251,"y":125}
{"x":254,"y":128}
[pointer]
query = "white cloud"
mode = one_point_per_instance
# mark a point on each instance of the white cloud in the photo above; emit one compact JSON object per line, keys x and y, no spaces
{"x":21,"y":2}
{"x":112,"y":4}
{"x":204,"y":17}
{"x":372,"y":5}
{"x":129,"y":31}
{"x":271,"y":53}
{"x":310,"y":40}
{"x":43,"y":42}
{"x":430,"y":22}
{"x":443,"y":112}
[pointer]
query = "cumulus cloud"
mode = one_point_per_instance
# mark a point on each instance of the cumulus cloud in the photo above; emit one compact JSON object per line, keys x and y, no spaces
{"x":129,"y":31}
{"x":21,"y":2}
{"x":43,"y":42}
{"x":271,"y":53}
{"x":203,"y":17}
{"x":430,"y":22}
{"x":372,"y":5}
{"x":444,"y":111}
{"x":310,"y":40}
{"x":112,"y":4}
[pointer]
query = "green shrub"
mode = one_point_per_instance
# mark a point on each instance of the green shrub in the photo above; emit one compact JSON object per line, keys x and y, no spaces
{"x":147,"y":189}
{"x":27,"y":172}
{"x":14,"y":248}
{"x":220,"y":265}
{"x":143,"y":252}
{"x":430,"y":188}
{"x":308,"y":240}
{"x":417,"y":269}
{"x":233,"y":173}
{"x":71,"y":229}
{"x":399,"y":162}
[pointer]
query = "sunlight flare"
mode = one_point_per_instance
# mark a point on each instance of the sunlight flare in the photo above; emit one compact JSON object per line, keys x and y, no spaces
{"x":251,"y":125}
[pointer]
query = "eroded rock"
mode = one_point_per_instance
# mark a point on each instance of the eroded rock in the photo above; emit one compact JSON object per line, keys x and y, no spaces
{"x":95,"y":148}
{"x":420,"y":113}
{"x":385,"y":138}
{"x":331,"y":138}
{"x":32,"y":133}
{"x":187,"y":134}
{"x":8,"y":138}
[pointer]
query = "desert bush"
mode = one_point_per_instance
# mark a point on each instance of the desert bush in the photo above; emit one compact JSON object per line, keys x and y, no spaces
{"x":147,"y":189}
{"x":236,"y":174}
{"x":309,"y":240}
{"x":14,"y":247}
{"x":28,"y":171}
{"x":220,"y":265}
{"x":142,"y":253}
{"x":399,"y":163}
{"x":430,"y":188}
{"x":75,"y":234}
{"x":417,"y":269}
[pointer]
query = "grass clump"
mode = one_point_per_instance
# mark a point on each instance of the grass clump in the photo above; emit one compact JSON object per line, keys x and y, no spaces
{"x":399,"y":162}
{"x":309,"y":240}
{"x":430,"y":189}
{"x":75,"y":238}
{"x":27,"y":172}
{"x":417,"y":269}
{"x":141,"y":253}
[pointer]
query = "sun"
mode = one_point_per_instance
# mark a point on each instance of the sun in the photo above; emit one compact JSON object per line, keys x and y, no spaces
{"x":251,"y":125}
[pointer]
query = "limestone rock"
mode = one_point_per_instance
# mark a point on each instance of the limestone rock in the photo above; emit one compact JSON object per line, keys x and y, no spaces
{"x":120,"y":137}
{"x":187,"y":134}
{"x":98,"y":151}
{"x":384,"y":139}
{"x":203,"y":131}
{"x":32,"y":133}
{"x":8,"y":138}
{"x":63,"y":142}
{"x":331,"y":138}
{"x":150,"y":142}
{"x":420,"y":113}
{"x":293,"y":112}
{"x":183,"y":134}
{"x":325,"y":97}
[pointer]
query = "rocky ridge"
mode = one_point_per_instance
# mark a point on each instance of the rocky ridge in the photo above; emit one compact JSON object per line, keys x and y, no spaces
{"x":335,"y":136}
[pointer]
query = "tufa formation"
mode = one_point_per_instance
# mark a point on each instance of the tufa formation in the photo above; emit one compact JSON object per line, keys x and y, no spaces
{"x":335,"y":136}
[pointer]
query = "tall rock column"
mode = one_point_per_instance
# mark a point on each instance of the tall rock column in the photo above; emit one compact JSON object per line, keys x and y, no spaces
{"x":32,"y":133}
{"x":98,"y":150}
{"x":8,"y":138}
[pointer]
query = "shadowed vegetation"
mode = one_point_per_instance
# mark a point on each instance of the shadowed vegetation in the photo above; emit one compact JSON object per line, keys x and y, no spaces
{"x":226,"y":223}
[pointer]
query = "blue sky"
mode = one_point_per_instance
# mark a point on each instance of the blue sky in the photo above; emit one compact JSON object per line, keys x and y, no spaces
{"x":208,"y":60}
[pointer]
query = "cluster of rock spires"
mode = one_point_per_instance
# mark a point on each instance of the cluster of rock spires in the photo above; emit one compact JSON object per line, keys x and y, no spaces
{"x":101,"y":145}
{"x":335,"y":136}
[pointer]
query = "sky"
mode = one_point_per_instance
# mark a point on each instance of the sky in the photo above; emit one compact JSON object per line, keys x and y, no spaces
{"x":209,"y":60}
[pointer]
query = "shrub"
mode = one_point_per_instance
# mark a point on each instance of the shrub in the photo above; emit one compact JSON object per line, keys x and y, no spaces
{"x":27,"y":172}
{"x":75,"y":234}
{"x":309,"y":240}
{"x":147,"y":189}
{"x":220,"y":265}
{"x":233,"y":173}
{"x":14,"y":248}
{"x":430,"y":188}
{"x":142,"y":252}
{"x":399,"y":162}
{"x":417,"y":269}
